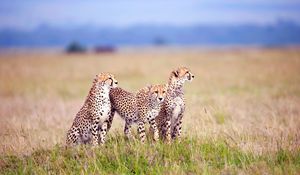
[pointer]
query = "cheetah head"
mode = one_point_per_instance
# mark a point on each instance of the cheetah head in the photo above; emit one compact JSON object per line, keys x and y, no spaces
{"x":180,"y":75}
{"x":106,"y":79}
{"x":158,"y":92}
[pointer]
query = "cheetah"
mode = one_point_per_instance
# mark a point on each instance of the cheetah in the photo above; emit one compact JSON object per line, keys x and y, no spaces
{"x":138,"y":108}
{"x":169,"y":119}
{"x":94,"y":114}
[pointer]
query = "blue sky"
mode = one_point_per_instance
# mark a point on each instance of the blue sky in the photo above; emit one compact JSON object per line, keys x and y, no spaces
{"x":28,"y":14}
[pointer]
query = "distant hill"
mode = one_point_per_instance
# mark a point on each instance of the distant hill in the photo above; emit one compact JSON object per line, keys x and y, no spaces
{"x":281,"y":33}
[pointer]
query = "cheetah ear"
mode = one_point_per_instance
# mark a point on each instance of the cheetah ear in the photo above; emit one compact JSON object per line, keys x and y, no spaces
{"x":166,"y":86}
{"x":176,"y":73}
{"x":95,"y":79}
{"x":149,"y":87}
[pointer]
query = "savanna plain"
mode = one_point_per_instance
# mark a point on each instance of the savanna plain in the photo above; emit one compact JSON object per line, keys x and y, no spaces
{"x":242,"y":112}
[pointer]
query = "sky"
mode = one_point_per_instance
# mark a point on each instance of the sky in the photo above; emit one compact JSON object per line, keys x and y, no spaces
{"x":29,"y":14}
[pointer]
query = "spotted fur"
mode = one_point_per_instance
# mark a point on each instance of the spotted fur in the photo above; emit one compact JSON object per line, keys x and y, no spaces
{"x":169,"y":120}
{"x":138,"y":108}
{"x":90,"y":122}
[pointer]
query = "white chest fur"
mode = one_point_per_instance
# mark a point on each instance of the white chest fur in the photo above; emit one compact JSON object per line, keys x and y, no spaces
{"x":153,"y":113}
{"x":105,"y":110}
{"x":177,"y":107}
{"x":104,"y":107}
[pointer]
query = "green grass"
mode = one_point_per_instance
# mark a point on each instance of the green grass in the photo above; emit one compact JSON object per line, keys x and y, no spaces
{"x":119,"y":156}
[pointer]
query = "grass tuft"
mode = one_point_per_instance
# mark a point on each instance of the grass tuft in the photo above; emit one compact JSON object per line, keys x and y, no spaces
{"x":119,"y":156}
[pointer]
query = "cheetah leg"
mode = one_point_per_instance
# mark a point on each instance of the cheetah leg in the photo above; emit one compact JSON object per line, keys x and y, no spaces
{"x":176,"y":132}
{"x":154,"y":129}
{"x":73,"y":138}
{"x":160,"y":128}
{"x":151,"y":133}
{"x":103,"y":132}
{"x":110,"y":119}
{"x":168,"y":131}
{"x":167,"y":125}
{"x":127,"y":130}
{"x":95,"y":131}
{"x":141,"y":131}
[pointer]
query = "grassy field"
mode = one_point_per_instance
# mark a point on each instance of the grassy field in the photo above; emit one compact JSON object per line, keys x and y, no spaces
{"x":242,"y":115}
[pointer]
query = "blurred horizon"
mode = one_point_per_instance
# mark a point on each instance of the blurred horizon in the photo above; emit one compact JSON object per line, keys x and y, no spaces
{"x":56,"y":23}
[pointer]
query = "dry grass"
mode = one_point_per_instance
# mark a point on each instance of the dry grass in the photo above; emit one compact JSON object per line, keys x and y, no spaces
{"x":250,"y":97}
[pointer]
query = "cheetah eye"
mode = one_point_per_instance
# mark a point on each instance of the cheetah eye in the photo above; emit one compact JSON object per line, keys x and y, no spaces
{"x":164,"y":91}
{"x":156,"y":92}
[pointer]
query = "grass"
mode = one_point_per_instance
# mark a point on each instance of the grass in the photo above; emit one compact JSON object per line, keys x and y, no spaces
{"x":242,"y":114}
{"x":190,"y":156}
